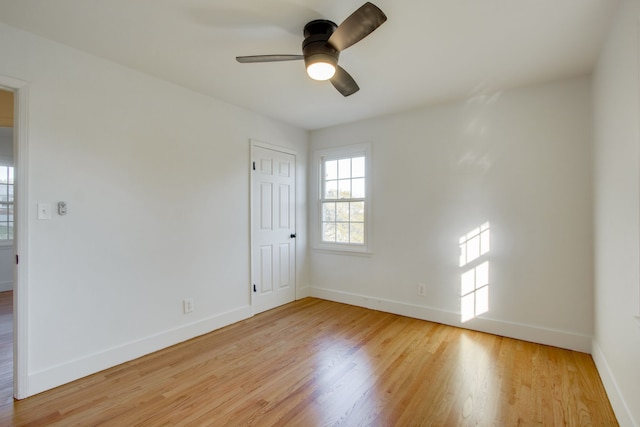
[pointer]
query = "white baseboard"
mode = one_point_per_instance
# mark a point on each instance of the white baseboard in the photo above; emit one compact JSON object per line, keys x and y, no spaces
{"x":618,"y":403}
{"x":303,"y":292}
{"x":553,"y":337}
{"x":55,"y":376}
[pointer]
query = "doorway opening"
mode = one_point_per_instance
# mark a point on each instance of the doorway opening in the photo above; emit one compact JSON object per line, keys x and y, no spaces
{"x":15,"y":222}
{"x":7,"y":248}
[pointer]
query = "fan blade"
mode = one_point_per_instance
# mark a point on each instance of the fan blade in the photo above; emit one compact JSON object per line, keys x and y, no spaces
{"x":267,"y":58}
{"x":357,"y":26}
{"x":343,"y":81}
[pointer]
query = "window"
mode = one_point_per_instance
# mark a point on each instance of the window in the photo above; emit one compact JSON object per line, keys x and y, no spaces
{"x":6,"y":203}
{"x":343,"y":203}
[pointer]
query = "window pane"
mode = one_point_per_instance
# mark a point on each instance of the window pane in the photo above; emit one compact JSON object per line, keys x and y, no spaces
{"x":331,"y":190}
{"x":357,"y":167}
{"x":342,"y":211}
{"x":328,"y":232}
{"x":4,"y":213}
{"x":357,"y":233}
{"x":4,"y":192}
{"x":4,"y":174}
{"x":357,"y":188}
{"x":11,"y":193}
{"x":4,"y":231}
{"x":344,"y":168}
{"x":344,"y":189}
{"x":342,"y":232}
{"x":331,"y":169}
{"x":328,"y":211}
{"x":342,"y":201}
{"x":357,"y":212}
{"x":10,"y":175}
{"x":11,"y":230}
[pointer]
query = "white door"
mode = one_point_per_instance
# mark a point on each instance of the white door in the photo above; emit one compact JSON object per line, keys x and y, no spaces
{"x":273,"y":228}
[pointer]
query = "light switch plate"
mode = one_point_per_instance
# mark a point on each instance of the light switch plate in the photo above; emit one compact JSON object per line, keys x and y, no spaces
{"x":44,"y":211}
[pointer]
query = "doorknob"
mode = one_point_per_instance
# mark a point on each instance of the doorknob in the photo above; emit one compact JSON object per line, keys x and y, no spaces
{"x":293,"y":235}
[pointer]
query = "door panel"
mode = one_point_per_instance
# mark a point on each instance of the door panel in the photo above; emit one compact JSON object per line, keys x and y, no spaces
{"x":273,"y":224}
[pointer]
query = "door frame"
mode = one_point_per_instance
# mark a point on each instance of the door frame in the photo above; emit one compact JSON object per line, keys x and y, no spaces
{"x":256,"y":143}
{"x":20,"y":237}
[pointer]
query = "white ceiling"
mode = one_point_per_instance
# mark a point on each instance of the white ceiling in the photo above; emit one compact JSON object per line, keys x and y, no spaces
{"x":429,"y":51}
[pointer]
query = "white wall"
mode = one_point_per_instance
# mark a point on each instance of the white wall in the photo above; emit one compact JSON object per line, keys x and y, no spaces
{"x":519,"y":159}
{"x":156,"y":178}
{"x":616,"y":347}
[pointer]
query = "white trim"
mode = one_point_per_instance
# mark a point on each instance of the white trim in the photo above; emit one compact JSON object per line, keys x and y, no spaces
{"x":637,"y":56}
{"x":70,"y":371}
{"x":256,"y":143}
{"x":21,"y":230}
{"x":303,"y":292}
{"x":616,"y":398}
{"x":547,"y":336}
{"x":343,"y":252}
{"x":315,"y":184}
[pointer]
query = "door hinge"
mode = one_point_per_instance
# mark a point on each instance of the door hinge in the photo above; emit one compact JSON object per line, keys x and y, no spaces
{"x":17,"y":259}
{"x":254,"y":165}
{"x":254,"y":288}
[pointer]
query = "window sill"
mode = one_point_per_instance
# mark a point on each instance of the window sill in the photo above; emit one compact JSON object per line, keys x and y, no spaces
{"x":343,"y":252}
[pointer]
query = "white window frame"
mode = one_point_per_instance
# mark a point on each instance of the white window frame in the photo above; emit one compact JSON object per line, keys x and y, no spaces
{"x":319,"y":157}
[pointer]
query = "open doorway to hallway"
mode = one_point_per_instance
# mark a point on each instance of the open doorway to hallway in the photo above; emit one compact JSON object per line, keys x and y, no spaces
{"x":7,"y":251}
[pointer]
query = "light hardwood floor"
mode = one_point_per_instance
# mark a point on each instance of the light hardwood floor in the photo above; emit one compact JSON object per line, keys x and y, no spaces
{"x":319,"y":363}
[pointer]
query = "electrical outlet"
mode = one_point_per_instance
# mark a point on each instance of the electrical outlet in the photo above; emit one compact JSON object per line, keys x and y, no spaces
{"x":422,"y":290}
{"x":187,"y":305}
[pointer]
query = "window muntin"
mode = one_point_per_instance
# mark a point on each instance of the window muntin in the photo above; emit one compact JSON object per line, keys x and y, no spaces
{"x":6,"y":203}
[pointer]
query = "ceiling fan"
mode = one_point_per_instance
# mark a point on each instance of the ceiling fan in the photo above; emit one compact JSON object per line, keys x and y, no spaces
{"x":323,"y":42}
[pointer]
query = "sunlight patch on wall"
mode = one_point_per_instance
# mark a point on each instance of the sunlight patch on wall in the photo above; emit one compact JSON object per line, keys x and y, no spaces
{"x":474,"y":281}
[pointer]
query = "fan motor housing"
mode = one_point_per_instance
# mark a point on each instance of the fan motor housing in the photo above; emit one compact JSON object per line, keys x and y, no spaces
{"x":315,"y":47}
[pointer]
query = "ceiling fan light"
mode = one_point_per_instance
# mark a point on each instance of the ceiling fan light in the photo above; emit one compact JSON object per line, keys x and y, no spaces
{"x":321,"y":70}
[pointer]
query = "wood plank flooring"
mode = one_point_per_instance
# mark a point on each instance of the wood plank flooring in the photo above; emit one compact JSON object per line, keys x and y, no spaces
{"x":319,"y":363}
